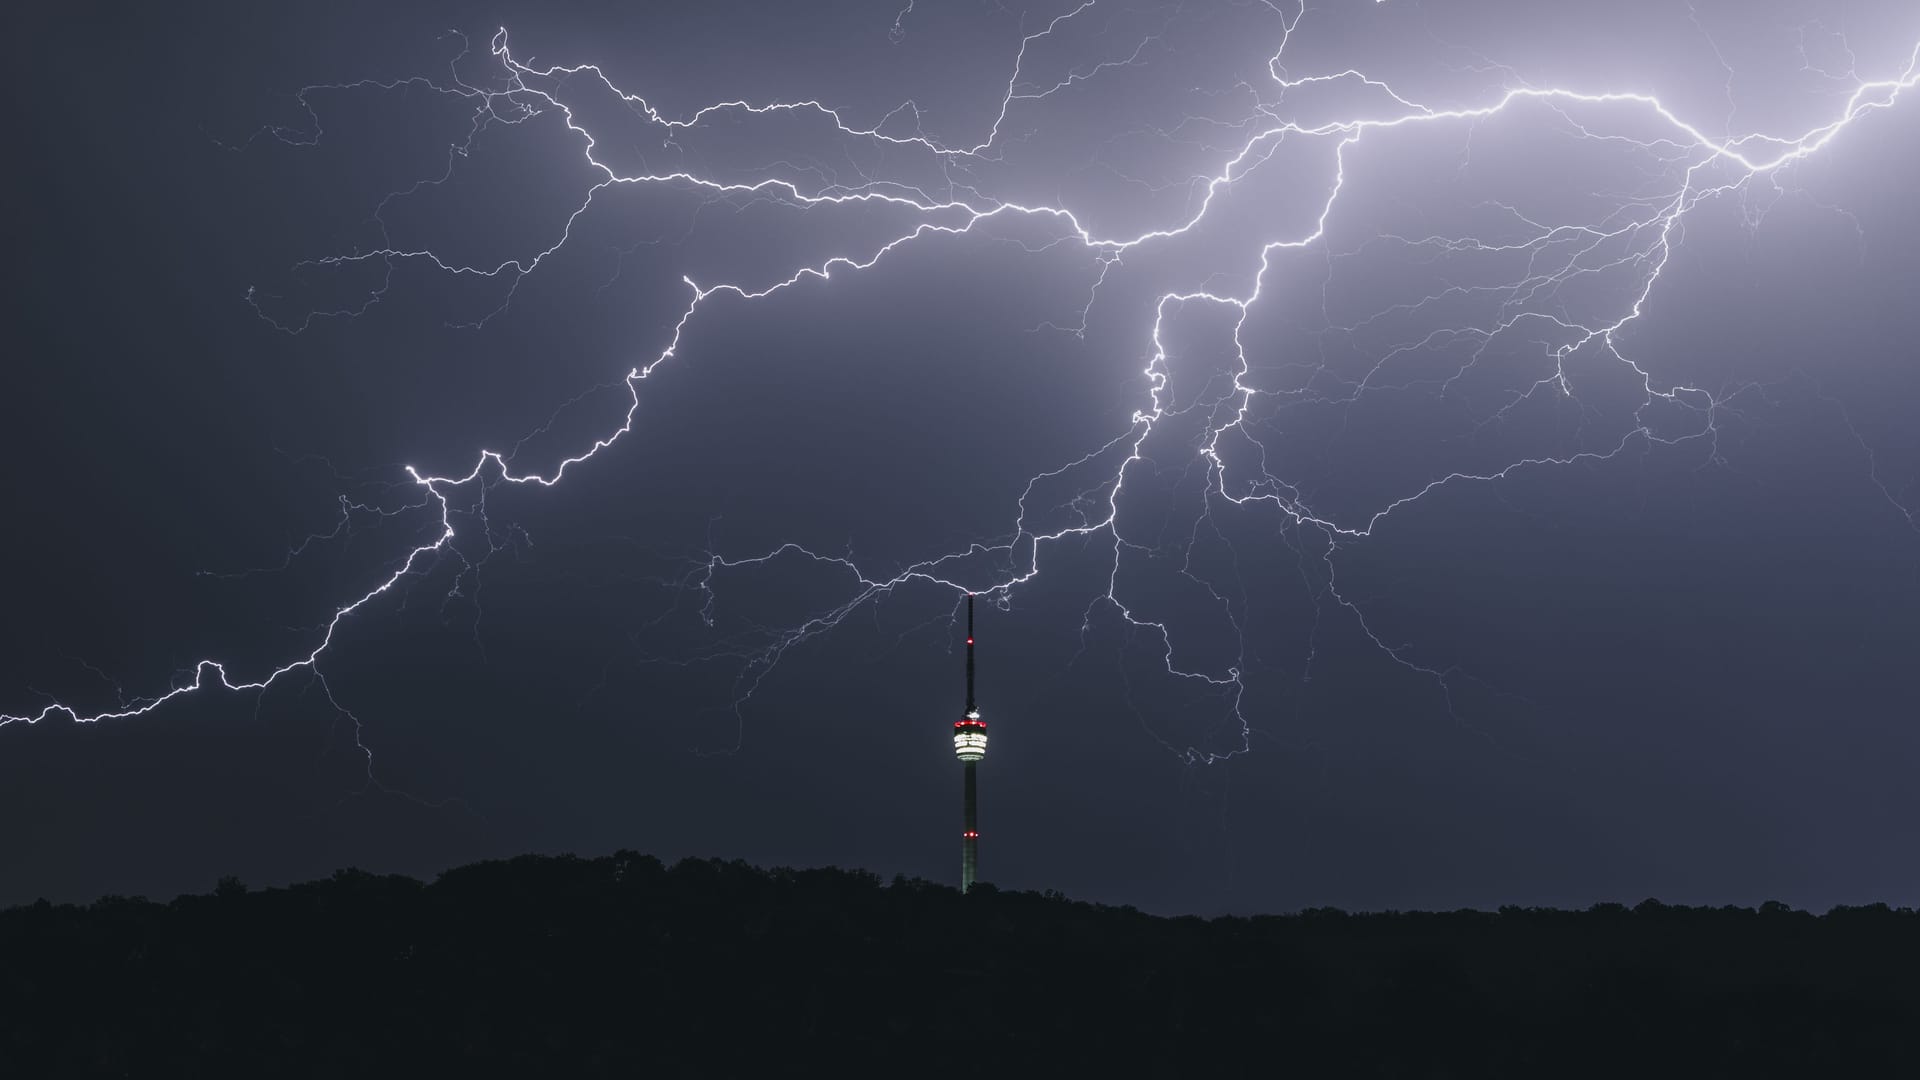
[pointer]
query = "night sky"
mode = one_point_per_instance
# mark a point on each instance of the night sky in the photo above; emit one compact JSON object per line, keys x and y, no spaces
{"x":1542,"y":532}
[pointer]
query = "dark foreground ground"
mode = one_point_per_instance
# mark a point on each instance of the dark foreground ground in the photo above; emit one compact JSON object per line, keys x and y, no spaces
{"x":620,"y":966}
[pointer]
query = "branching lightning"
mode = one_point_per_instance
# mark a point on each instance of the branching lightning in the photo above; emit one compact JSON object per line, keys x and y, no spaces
{"x":1630,"y":245}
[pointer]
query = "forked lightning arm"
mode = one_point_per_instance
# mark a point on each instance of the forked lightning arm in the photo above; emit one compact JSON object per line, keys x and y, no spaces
{"x":1636,"y":238}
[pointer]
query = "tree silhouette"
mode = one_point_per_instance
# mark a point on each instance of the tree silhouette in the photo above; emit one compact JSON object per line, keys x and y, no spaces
{"x":625,"y":966}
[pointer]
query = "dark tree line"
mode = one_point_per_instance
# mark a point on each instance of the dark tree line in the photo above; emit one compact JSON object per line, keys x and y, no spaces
{"x":620,"y":966}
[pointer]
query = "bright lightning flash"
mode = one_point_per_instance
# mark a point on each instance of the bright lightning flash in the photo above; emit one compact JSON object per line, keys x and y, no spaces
{"x":1628,"y":245}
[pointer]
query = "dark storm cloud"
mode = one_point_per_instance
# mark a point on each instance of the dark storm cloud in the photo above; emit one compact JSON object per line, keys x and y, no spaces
{"x":1672,"y":665}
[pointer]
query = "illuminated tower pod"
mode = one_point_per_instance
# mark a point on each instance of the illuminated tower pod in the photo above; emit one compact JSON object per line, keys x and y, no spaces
{"x":970,"y":745}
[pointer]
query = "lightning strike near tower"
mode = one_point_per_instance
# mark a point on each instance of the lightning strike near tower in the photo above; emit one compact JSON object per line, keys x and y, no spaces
{"x":1222,"y":308}
{"x":970,"y":746}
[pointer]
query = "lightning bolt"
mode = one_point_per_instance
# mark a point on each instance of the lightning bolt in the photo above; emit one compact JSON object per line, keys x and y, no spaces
{"x":1534,"y":288}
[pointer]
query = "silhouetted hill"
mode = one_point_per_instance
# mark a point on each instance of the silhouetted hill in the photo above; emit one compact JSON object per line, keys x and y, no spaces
{"x":621,"y":966}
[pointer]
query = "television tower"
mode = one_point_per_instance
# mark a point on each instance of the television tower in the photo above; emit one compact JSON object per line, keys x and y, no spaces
{"x":970,"y":745}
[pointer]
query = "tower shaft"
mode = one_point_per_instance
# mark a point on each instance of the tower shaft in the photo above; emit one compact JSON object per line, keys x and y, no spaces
{"x":970,"y":836}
